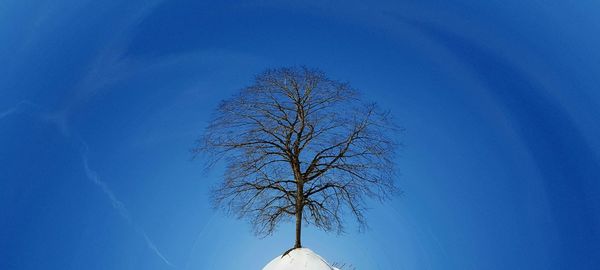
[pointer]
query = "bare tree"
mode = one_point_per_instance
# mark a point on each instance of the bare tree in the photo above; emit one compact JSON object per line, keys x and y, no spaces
{"x":299,"y":145}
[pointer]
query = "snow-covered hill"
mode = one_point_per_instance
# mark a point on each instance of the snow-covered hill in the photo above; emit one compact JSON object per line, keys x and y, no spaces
{"x":299,"y":259}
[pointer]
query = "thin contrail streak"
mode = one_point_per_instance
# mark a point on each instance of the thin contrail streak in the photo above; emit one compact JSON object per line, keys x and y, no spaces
{"x":198,"y":237}
{"x":153,"y":247}
{"x":8,"y":112}
{"x":93,"y":176}
{"x":118,"y":205}
{"x":15,"y":109}
{"x":107,"y":65}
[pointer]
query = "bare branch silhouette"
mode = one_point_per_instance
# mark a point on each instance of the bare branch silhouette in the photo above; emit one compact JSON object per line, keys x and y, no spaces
{"x":299,"y":145}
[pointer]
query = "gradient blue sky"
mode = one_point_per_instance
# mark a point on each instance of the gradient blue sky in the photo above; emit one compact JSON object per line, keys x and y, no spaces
{"x":100,"y":102}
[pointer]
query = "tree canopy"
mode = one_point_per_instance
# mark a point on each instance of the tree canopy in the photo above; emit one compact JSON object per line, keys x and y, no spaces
{"x":299,"y":145}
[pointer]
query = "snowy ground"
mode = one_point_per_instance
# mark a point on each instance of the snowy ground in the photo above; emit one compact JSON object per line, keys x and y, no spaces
{"x":299,"y":259}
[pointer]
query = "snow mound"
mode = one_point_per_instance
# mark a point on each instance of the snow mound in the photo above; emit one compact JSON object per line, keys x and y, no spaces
{"x":299,"y":259}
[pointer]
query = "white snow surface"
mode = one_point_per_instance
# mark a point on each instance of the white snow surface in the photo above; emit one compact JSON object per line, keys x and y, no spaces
{"x":299,"y":259}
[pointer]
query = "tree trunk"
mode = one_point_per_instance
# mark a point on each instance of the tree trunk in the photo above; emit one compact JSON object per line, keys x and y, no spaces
{"x":299,"y":199}
{"x":299,"y":208}
{"x":298,"y":229}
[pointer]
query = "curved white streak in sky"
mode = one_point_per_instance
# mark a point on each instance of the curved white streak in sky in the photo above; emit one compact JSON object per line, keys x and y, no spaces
{"x":107,"y":67}
{"x":118,"y":205}
{"x":16,"y":108}
{"x":93,"y":176}
{"x":9,"y":112}
{"x":107,"y":63}
{"x":198,"y":237}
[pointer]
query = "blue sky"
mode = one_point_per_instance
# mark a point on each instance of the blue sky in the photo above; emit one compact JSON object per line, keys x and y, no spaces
{"x":101,"y":101}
